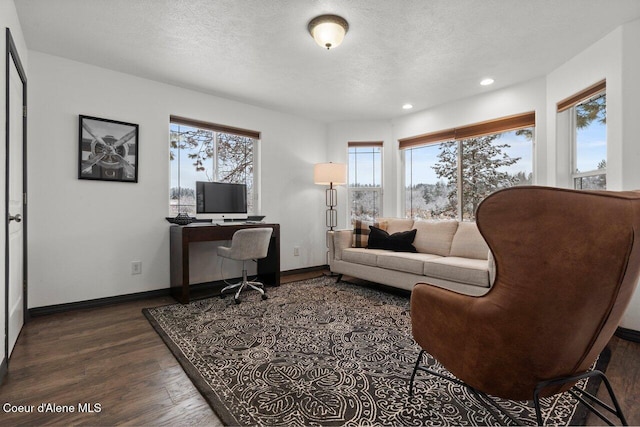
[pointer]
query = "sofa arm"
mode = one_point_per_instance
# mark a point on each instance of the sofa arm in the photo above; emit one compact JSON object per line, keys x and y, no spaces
{"x":338,"y":241}
{"x":492,"y":268}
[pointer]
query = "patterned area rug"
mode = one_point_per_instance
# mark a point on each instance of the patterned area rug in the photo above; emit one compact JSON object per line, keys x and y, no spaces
{"x":321,"y":353}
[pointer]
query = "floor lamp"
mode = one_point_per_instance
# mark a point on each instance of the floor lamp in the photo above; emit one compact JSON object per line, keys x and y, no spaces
{"x":330,"y":174}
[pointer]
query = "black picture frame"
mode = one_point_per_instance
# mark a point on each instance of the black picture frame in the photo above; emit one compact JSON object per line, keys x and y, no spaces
{"x":107,"y":150}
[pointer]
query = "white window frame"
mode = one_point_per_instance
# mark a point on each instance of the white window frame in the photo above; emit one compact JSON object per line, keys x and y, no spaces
{"x":460,"y":145}
{"x":403,"y":178}
{"x":255,"y":160}
{"x":378,"y":190}
{"x":573,"y":136}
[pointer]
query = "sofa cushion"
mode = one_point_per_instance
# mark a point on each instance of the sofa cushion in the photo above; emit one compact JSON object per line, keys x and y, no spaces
{"x":463,"y":270}
{"x":397,"y":242}
{"x":468,"y":242}
{"x":395,"y":225}
{"x":361,"y":256}
{"x":434,"y":237}
{"x":361,"y":232}
{"x":404,"y":261}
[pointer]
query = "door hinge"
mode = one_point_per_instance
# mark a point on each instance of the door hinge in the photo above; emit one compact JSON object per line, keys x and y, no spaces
{"x":24,"y":111}
{"x":24,"y":199}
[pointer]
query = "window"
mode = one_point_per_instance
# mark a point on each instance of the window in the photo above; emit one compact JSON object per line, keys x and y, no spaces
{"x":365,"y":180}
{"x":447,"y":174}
{"x":201,"y":151}
{"x":427,"y":193}
{"x":588,"y":118}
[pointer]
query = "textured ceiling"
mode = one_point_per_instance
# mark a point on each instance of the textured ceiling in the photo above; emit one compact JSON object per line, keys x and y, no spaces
{"x":426,"y":52}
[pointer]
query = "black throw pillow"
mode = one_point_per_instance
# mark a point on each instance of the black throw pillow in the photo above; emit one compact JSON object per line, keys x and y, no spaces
{"x":397,"y":242}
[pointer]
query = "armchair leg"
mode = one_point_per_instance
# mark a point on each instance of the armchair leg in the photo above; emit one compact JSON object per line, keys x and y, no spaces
{"x":577,"y":393}
{"x":580,"y":395}
{"x":413,"y":375}
{"x":482,"y":398}
{"x":339,"y":278}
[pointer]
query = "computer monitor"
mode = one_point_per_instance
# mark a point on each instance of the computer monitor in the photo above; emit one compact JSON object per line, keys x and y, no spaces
{"x":221,"y":200}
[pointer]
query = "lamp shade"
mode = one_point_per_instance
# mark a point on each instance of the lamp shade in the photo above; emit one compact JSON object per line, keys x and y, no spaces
{"x":330,"y":173}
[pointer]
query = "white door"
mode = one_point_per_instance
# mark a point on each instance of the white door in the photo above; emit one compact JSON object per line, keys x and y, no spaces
{"x":15,"y":237}
{"x":3,"y":229}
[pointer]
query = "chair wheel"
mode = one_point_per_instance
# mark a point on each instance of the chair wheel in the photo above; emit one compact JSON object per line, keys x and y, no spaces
{"x":236,"y":300}
{"x":264,"y":296}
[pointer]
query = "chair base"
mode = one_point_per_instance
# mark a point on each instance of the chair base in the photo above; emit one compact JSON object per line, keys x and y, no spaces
{"x":245,"y":283}
{"x":577,"y":393}
{"x":580,"y":396}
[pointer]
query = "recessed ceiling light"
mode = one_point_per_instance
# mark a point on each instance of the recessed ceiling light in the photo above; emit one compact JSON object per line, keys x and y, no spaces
{"x":407,"y":107}
{"x":486,"y":82}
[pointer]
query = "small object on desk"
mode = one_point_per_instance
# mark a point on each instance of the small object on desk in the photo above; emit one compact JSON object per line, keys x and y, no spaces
{"x":185,"y":219}
{"x":255,"y":218}
{"x":181,"y":219}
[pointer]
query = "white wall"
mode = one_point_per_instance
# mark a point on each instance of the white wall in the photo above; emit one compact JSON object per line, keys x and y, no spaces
{"x":341,"y":133}
{"x":602,"y":60}
{"x":630,"y":136}
{"x":630,"y":109}
{"x":529,"y":96}
{"x":84,"y":234}
{"x":616,"y":58}
{"x":525,"y":97}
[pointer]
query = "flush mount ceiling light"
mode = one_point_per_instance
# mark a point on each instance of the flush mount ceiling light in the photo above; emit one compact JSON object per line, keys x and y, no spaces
{"x":407,"y":107}
{"x":487,"y":82}
{"x":328,"y":30}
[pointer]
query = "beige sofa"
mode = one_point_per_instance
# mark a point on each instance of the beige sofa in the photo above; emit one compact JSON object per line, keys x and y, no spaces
{"x":451,"y":254}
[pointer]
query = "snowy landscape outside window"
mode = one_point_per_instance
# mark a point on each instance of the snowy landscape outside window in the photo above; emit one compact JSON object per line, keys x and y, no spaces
{"x":448,"y":179}
{"x":365,"y":180}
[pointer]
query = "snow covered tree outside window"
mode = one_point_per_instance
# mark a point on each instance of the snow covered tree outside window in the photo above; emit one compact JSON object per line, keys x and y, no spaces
{"x":485,"y":164}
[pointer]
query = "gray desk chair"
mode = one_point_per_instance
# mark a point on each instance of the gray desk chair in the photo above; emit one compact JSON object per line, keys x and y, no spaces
{"x":247,"y":244}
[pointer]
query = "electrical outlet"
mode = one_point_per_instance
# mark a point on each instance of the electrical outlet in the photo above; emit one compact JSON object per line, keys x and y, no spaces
{"x":296,"y":251}
{"x":136,"y":267}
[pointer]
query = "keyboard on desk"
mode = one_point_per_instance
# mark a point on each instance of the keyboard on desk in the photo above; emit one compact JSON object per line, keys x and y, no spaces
{"x":240,"y":222}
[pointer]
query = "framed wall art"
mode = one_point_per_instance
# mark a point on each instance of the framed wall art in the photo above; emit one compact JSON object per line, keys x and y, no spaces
{"x":108,"y":150}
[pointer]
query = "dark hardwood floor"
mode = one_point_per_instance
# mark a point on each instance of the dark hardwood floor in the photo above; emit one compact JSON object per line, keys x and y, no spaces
{"x":112,"y":357}
{"x":623,"y":372}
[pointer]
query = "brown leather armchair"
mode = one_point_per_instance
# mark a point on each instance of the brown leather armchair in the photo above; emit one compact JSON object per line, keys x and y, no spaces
{"x":567,"y":263}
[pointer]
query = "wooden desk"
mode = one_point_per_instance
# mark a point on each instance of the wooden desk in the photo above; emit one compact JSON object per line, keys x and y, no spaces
{"x":182,"y":235}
